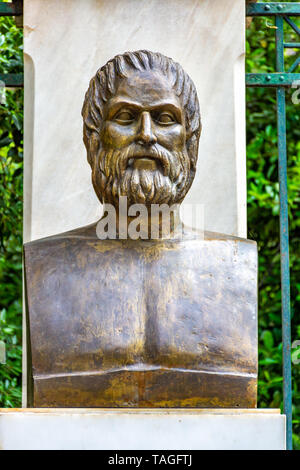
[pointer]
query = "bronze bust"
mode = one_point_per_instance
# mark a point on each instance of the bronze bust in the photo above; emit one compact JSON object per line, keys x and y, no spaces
{"x":158,"y":321}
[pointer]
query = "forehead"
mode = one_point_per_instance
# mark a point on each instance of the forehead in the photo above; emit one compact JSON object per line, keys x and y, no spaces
{"x":146,"y":89}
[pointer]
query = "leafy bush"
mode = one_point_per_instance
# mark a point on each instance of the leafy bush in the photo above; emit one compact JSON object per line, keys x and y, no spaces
{"x":263,"y":213}
{"x":11,"y":183}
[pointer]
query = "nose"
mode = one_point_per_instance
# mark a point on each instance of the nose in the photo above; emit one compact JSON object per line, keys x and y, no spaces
{"x":146,"y":135}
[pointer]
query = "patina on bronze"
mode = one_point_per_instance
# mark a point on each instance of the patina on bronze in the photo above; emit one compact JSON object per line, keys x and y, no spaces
{"x":165,"y":322}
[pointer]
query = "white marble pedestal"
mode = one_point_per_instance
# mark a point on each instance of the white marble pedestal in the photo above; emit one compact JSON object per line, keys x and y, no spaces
{"x":141,"y":429}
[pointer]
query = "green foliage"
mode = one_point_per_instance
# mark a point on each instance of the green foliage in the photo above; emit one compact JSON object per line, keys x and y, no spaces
{"x":11,"y":188}
{"x":263,"y":214}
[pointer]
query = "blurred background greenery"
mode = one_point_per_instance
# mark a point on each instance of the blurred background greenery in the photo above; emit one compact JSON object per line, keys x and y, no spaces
{"x":263,"y":213}
{"x":11,"y":190}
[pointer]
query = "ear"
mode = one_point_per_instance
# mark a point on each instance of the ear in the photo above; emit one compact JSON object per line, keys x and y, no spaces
{"x":94,"y":143}
{"x":192,"y":148}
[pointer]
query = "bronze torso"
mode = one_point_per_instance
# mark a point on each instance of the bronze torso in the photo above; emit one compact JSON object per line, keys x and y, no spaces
{"x":142,"y":323}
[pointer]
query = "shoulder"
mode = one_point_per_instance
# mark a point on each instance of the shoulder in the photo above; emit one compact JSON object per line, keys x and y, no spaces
{"x":196,"y":234}
{"x":88,"y":232}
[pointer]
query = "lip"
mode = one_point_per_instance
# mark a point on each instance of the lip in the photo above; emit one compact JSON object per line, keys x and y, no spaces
{"x":145,"y":161}
{"x":145,"y":155}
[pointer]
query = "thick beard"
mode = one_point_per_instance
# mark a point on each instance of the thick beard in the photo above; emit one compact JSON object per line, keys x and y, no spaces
{"x":168,"y":184}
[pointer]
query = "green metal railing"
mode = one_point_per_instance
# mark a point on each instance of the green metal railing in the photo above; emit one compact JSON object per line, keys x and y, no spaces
{"x":11,"y":9}
{"x":281,"y":80}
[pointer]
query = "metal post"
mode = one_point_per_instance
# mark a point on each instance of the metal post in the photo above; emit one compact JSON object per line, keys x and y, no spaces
{"x":284,"y":237}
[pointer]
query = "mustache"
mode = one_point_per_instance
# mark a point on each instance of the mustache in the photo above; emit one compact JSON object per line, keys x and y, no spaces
{"x":119,"y":159}
{"x":155,"y":152}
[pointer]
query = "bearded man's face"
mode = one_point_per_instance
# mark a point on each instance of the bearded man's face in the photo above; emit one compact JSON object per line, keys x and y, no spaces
{"x":142,"y":151}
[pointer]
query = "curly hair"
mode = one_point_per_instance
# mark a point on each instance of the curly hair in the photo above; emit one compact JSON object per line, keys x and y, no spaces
{"x":104,"y":84}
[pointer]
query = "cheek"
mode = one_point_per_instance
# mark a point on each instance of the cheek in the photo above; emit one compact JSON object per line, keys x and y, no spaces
{"x":116,"y":136}
{"x":172,"y":138}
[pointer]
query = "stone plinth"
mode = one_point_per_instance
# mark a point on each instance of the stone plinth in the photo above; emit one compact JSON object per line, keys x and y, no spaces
{"x":103,"y":429}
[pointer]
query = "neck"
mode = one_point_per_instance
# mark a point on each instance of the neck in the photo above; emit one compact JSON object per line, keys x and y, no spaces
{"x":140,"y":222}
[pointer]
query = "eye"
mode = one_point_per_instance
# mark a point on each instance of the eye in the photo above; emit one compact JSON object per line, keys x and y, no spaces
{"x":165,"y":118}
{"x":124,"y":117}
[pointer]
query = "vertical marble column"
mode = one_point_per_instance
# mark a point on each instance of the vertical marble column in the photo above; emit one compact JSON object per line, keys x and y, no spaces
{"x":66,"y":41}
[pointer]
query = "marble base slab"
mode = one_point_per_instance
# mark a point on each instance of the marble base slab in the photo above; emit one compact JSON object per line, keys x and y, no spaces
{"x":159,"y":429}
